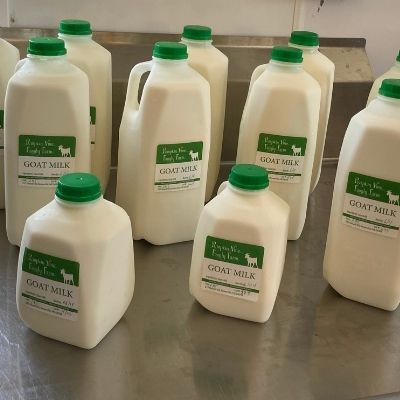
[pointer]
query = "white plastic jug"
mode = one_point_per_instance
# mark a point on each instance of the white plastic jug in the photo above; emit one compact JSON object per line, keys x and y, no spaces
{"x":239,"y":247}
{"x":362,"y":257}
{"x":322,"y":69}
{"x":76,"y":269}
{"x":95,"y":61}
{"x":163,"y":147}
{"x":279,"y":126}
{"x":46,"y":129}
{"x":212,"y":64}
{"x":9,"y":56}
{"x":393,"y":73}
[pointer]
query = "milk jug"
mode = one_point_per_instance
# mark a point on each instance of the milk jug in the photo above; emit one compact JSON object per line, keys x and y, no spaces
{"x":362,"y":257}
{"x":9,"y":56}
{"x":46,"y":129}
{"x":95,"y":61}
{"x":75,"y":275}
{"x":322,"y":69}
{"x":279,"y":126}
{"x":239,"y":247}
{"x":212,"y":64}
{"x":163,"y":147}
{"x":393,"y":73}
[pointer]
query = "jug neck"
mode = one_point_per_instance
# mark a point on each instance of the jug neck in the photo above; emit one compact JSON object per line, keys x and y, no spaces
{"x":196,"y":43}
{"x":244,"y":192}
{"x":287,"y":66}
{"x":305,"y":49}
{"x":166,"y":63}
{"x":389,"y":100}
{"x":40,"y":58}
{"x":73,"y":204}
{"x":75,"y":38}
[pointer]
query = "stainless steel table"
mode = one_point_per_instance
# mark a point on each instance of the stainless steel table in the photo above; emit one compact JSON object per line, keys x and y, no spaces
{"x":316,"y":345}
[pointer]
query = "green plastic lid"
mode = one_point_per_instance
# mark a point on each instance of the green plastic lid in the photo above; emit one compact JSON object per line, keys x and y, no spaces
{"x":75,"y":27}
{"x":304,"y":38}
{"x":46,"y":46}
{"x":249,"y":177}
{"x":390,"y":88}
{"x":78,"y":187}
{"x":170,"y":51}
{"x":197,"y":32}
{"x":398,"y":57}
{"x":287,"y":54}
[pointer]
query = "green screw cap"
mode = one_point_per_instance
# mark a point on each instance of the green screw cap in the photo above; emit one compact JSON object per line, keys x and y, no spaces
{"x":287,"y":54}
{"x":46,"y":46}
{"x":197,"y":32}
{"x":170,"y":51}
{"x":78,"y":187}
{"x":304,"y":38}
{"x":75,"y":27}
{"x":249,"y":177}
{"x":390,"y":88}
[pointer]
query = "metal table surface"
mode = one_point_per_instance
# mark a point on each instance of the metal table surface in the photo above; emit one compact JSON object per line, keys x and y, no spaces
{"x":316,"y":345}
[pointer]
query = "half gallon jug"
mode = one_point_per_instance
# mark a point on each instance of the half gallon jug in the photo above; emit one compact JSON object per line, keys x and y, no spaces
{"x":279,"y":127}
{"x":362,"y":257}
{"x":239,"y":247}
{"x":322,"y":69}
{"x":9,"y":56}
{"x":163,"y":147}
{"x":393,"y":73}
{"x":76,"y":271}
{"x":95,"y":61}
{"x":46,"y":129}
{"x":212,"y":64}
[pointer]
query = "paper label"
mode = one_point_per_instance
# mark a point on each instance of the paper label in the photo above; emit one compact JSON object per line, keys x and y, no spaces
{"x":372,"y":204}
{"x":232,"y":268}
{"x":281,"y":156}
{"x":50,"y":284}
{"x":178,"y":166}
{"x":43,"y":159}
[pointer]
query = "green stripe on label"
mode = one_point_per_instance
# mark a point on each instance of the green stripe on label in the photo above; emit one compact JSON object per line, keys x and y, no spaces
{"x":50,"y":267}
{"x":1,"y":119}
{"x":179,"y":152}
{"x":247,"y":255}
{"x":282,"y":173}
{"x":93,"y":115}
{"x":49,"y":303}
{"x":47,"y":146}
{"x":284,"y":145}
{"x":230,"y":286}
{"x":373,"y":188}
{"x":176,"y":182}
{"x":371,"y":222}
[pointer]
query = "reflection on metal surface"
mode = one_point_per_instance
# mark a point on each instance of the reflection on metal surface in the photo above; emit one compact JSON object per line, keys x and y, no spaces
{"x":353,"y":76}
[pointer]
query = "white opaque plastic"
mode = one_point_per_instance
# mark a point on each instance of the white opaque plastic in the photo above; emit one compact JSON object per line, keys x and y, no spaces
{"x":283,"y":100}
{"x":362,"y":260}
{"x":174,"y":111}
{"x":212,"y":64}
{"x":47,"y":96}
{"x":95,"y":61}
{"x":248,"y":217}
{"x":393,"y":73}
{"x":322,"y":69}
{"x":96,"y":235}
{"x":9,"y":56}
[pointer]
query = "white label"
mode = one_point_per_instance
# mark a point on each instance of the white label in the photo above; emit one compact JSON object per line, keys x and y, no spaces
{"x":50,"y":284}
{"x":282,"y":156}
{"x":372,"y":204}
{"x":43,"y":159}
{"x":178,"y":166}
{"x":232,"y":268}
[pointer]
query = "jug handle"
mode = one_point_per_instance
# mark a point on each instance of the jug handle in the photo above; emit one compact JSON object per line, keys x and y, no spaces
{"x":138,"y":70}
{"x":255,"y":75}
{"x":20,"y":64}
{"x":222,"y":186}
